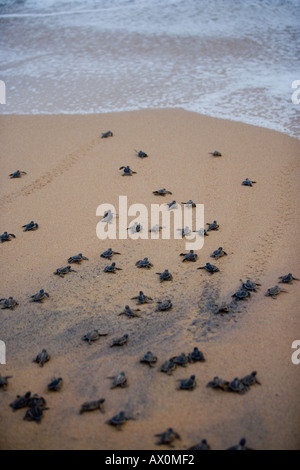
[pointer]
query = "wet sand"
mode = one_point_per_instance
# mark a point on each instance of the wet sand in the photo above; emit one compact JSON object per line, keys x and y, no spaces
{"x":70,"y":171}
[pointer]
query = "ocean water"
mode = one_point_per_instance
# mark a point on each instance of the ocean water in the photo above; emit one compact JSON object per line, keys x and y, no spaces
{"x":234,"y":59}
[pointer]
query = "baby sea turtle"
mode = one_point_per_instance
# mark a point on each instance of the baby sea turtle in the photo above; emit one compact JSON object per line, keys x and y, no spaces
{"x":165,"y":305}
{"x":55,"y":384}
{"x":106,"y":134}
{"x":202,"y":232}
{"x":31,"y":226}
{"x":119,"y":380}
{"x":189,"y":204}
{"x":6,"y":237}
{"x":161,"y":192}
{"x":165,"y":276}
{"x":274,"y":291}
{"x":167,"y":437}
{"x":168,"y":366}
{"x":181,"y":360}
{"x":135,"y":228}
{"x":120,"y":341}
{"x":42,"y":357}
{"x":35,"y":400}
{"x":218,"y":253}
{"x":119,"y":419}
{"x":109,"y":253}
{"x":203,"y":445}
{"x":9,"y":303}
{"x":141,"y":154}
{"x":242,"y":294}
{"x":112,"y":268}
{"x":288,"y":279}
{"x":216,"y":153}
{"x":93,"y":335}
{"x":187,"y":384}
{"x":196,"y":356}
{"x":20,"y":401}
{"x":34,"y":414}
{"x":149,"y":359}
{"x":218,"y":383}
{"x":142,"y":298}
{"x":191,"y":256}
{"x":40,"y":296}
{"x":62,"y":271}
{"x":237,"y":386}
{"x":212,"y":226}
{"x":248,"y":182}
{"x":144,"y":263}
{"x":172,"y":205}
{"x":129,"y":312}
{"x":156,"y":228}
{"x":108,"y":216}
{"x":240,"y":446}
{"x":92,"y":406}
{"x":250,"y":379}
{"x":249,"y":285}
{"x":210,"y":268}
{"x":185,"y":232}
{"x":127,"y":171}
{"x":77,"y":258}
{"x":17,"y":174}
{"x":4,"y":381}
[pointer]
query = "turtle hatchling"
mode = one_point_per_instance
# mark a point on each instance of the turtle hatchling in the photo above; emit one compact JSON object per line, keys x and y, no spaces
{"x":92,"y":406}
{"x":189,"y":204}
{"x":20,"y":401}
{"x":168,"y":366}
{"x":218,"y":383}
{"x":242,"y":294}
{"x":149,"y":359}
{"x":212,"y":226}
{"x":17,"y":174}
{"x":165,"y":276}
{"x":129,"y":312}
{"x":93,"y":335}
{"x":237,"y":386}
{"x":6,"y":237}
{"x":127,"y":171}
{"x":161,"y":192}
{"x":187,"y":384}
{"x":288,"y":279}
{"x":141,"y":154}
{"x":77,"y":258}
{"x":172,"y":205}
{"x":216,"y":153}
{"x":250,"y":379}
{"x":119,"y":380}
{"x":196,"y":356}
{"x":106,"y":134}
{"x":62,"y":271}
{"x":249,"y":285}
{"x":112,"y":268}
{"x":181,"y":360}
{"x":274,"y":291}
{"x":4,"y":381}
{"x":203,"y":445}
{"x":248,"y":182}
{"x":35,"y":400}
{"x":8,"y":303}
{"x":109,"y":253}
{"x":164,"y":305}
{"x":119,"y":419}
{"x":191,"y":256}
{"x":40,"y":296}
{"x":135,"y":228}
{"x":210,"y":268}
{"x":240,"y":446}
{"x":144,"y":263}
{"x":167,"y":437}
{"x":42,"y":358}
{"x":218,"y":253}
{"x":120,"y":341}
{"x":31,"y":226}
{"x":34,"y":414}
{"x":55,"y":384}
{"x":142,"y":298}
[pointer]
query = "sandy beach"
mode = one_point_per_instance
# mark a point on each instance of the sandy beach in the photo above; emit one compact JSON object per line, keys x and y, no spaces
{"x":71,"y":170}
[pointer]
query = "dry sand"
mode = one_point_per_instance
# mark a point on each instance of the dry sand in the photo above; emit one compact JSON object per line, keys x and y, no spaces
{"x":70,"y":171}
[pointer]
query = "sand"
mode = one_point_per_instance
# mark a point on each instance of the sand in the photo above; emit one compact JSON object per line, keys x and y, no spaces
{"x":70,"y":171}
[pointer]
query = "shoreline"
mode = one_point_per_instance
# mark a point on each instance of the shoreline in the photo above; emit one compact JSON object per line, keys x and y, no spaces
{"x":70,"y":171}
